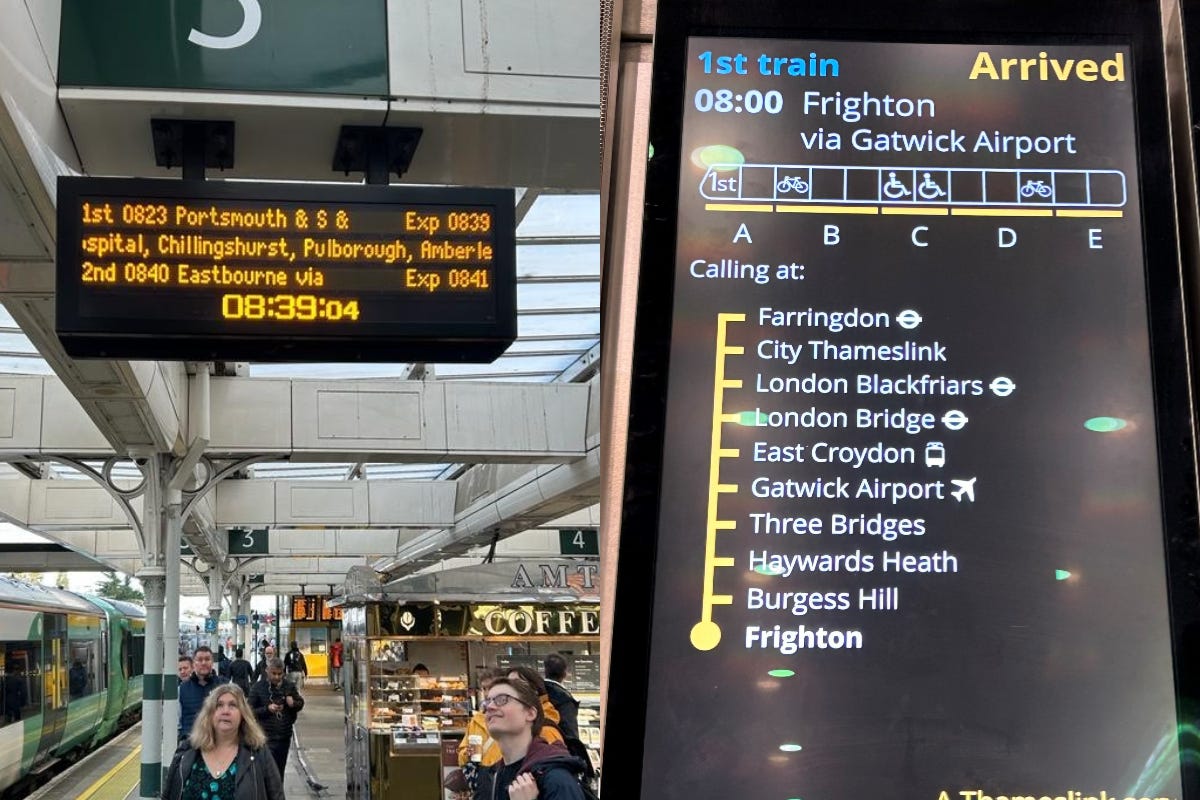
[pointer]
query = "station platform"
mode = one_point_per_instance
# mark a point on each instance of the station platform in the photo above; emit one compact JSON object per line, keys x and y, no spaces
{"x":316,"y":767}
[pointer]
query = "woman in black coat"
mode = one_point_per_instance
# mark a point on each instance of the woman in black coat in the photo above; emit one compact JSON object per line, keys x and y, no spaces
{"x":225,"y":758}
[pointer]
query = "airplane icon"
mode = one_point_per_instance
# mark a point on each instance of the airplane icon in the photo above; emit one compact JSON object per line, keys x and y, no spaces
{"x":966,"y":487}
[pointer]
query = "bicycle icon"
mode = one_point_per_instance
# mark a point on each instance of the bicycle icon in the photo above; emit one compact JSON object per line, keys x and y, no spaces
{"x":894,"y":189}
{"x":793,"y":183}
{"x":929,"y":189}
{"x":1039,"y":188}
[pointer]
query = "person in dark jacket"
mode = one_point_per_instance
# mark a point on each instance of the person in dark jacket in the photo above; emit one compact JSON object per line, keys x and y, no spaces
{"x":16,"y":693}
{"x":560,"y":697}
{"x":240,"y":671}
{"x":227,"y":748}
{"x":276,"y":703}
{"x":296,"y":666}
{"x":195,"y":689}
{"x":260,"y":669}
{"x":531,"y":768}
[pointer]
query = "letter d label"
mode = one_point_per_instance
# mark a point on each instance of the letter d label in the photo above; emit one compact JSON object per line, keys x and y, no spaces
{"x":1006,"y":237}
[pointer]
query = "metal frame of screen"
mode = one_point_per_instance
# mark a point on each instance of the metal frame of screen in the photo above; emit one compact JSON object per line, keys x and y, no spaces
{"x":435,"y":337}
{"x":1135,"y":24}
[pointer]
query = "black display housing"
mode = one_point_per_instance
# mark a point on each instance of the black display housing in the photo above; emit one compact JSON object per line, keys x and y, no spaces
{"x":1133,"y":24}
{"x":97,"y":321}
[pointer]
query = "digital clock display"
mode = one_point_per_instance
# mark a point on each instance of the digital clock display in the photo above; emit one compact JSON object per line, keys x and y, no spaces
{"x":281,"y":272}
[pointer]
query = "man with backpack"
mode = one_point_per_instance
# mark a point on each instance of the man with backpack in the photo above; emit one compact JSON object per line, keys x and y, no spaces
{"x":296,"y":666}
{"x":240,"y":671}
{"x":530,"y":768}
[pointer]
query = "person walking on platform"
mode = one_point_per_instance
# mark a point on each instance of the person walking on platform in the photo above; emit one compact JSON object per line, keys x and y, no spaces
{"x":335,"y":663}
{"x":561,"y":697}
{"x":276,"y":703}
{"x":195,"y":689}
{"x":225,"y":756}
{"x":261,"y":668}
{"x":240,"y":671}
{"x":530,"y":768}
{"x":185,"y":668}
{"x":221,"y":661}
{"x":296,"y":666}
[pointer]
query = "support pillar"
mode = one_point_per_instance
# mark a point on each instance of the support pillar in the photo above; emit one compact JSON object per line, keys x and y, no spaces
{"x":154,"y":582}
{"x":170,"y":715}
{"x":154,"y":585}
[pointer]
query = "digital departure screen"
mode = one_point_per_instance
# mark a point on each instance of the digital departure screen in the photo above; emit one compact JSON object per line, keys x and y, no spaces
{"x":168,"y":269}
{"x":910,"y":525}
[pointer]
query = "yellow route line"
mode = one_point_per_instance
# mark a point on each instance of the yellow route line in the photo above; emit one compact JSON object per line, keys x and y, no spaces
{"x":736,"y":207}
{"x":103,"y":779}
{"x":728,"y":453}
{"x":731,"y":417}
{"x":722,"y":600}
{"x":735,"y":351}
{"x":723,"y":562}
{"x":1084,"y":212}
{"x":727,"y":488}
{"x":827,"y":209}
{"x":724,"y":524}
{"x":714,"y":465}
{"x":732,"y":384}
{"x":1002,"y":212}
{"x":916,"y":211}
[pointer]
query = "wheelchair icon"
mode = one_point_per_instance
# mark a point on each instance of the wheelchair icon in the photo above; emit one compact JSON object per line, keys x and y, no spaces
{"x":894,"y":189}
{"x":929,"y":189}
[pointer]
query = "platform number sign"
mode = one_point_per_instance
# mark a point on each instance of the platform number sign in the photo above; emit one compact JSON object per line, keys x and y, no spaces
{"x":578,"y":542}
{"x":210,"y":625}
{"x":243,"y":542}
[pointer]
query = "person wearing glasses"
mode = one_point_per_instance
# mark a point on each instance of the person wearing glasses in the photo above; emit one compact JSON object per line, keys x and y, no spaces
{"x":530,"y":768}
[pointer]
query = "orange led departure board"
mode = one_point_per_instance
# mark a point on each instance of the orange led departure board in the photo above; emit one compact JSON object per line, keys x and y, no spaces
{"x":312,"y":608}
{"x":283,"y":272}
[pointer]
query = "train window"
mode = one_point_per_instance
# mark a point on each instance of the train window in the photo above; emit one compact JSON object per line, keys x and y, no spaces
{"x":21,"y":677}
{"x":139,"y":654}
{"x":81,"y":675}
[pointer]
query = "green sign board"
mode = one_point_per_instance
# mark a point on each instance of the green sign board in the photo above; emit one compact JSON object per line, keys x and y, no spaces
{"x":311,"y":46}
{"x":244,"y":542}
{"x":578,"y":542}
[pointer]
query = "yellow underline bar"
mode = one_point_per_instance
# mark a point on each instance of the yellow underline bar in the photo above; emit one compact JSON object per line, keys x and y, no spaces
{"x":722,"y":599}
{"x":724,"y":524}
{"x":827,"y":209}
{"x":916,"y":211}
{"x":737,"y":207}
{"x":727,"y":488}
{"x":1002,"y":212}
{"x":728,"y":453}
{"x":723,"y":562}
{"x":1088,"y":212}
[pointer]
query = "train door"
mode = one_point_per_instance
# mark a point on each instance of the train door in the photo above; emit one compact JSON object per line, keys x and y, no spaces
{"x":54,"y":683}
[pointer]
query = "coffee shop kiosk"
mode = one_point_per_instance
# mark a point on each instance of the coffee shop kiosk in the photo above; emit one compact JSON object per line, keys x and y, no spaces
{"x":403,"y":729}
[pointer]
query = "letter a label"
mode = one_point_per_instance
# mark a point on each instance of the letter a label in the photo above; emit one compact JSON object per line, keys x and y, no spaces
{"x":742,"y":233}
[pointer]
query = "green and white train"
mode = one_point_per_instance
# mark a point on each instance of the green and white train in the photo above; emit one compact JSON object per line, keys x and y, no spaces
{"x":70,"y":673}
